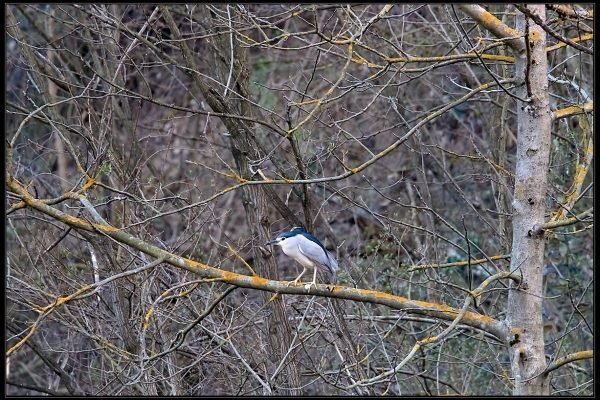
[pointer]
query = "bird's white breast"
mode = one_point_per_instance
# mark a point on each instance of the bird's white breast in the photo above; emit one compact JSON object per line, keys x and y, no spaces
{"x":291,"y":250}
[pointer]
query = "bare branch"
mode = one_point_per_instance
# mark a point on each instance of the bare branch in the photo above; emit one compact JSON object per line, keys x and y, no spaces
{"x":555,"y":35}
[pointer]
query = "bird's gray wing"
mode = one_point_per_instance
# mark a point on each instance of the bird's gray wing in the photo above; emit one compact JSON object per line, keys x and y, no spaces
{"x":317,"y":254}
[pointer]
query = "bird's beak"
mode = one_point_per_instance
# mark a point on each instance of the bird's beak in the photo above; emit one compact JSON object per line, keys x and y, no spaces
{"x":270,"y":242}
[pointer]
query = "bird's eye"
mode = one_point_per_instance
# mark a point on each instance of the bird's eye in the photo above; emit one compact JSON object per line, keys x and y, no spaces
{"x":282,"y":239}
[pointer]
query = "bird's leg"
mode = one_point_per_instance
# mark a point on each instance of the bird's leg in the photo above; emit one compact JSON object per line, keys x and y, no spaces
{"x":313,"y":283}
{"x":298,"y":278}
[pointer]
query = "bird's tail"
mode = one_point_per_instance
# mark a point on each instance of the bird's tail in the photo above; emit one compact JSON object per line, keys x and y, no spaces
{"x":332,"y":278}
{"x":333,"y":268}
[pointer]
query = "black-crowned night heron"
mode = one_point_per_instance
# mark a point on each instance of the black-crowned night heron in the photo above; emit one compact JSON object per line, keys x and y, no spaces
{"x":307,"y":250}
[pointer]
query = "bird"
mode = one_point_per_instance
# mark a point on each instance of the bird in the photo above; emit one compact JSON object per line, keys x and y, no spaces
{"x":307,"y":250}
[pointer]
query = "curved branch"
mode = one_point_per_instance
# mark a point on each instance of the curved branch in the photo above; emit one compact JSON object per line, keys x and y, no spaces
{"x":495,"y":26}
{"x":563,"y":222}
{"x":485,"y":323}
{"x":437,"y":338}
{"x":581,"y":171}
{"x":573,"y":110}
{"x":581,"y":38}
{"x":580,"y":355}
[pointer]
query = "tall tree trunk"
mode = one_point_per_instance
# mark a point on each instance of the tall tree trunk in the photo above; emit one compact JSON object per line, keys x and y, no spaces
{"x":279,"y":332}
{"x":533,"y":149}
{"x":255,"y":202}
